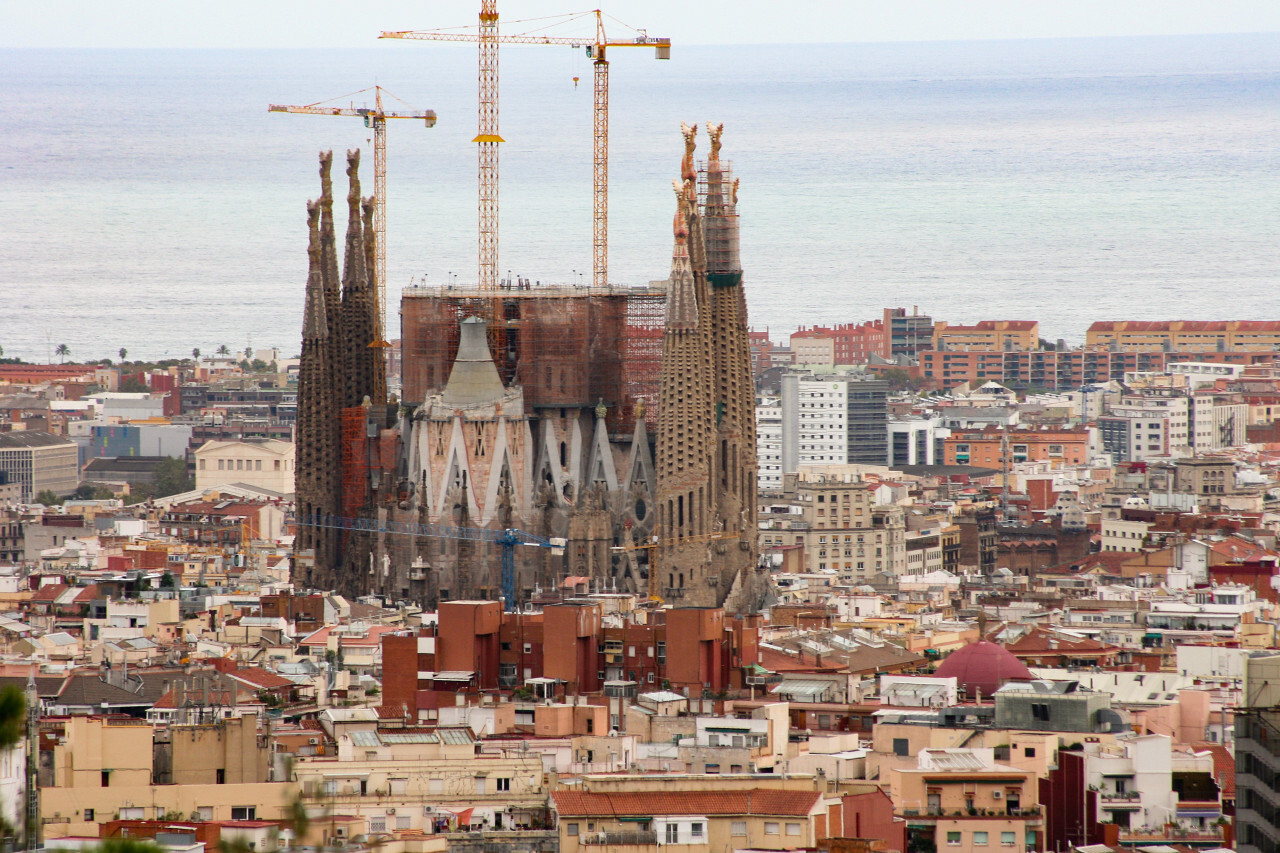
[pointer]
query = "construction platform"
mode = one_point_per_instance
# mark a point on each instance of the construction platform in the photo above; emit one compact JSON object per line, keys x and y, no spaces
{"x":566,"y":346}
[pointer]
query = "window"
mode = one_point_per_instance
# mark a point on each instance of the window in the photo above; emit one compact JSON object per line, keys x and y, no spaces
{"x":528,"y":648}
{"x":979,"y":838}
{"x":377,"y":823}
{"x":201,"y":464}
{"x":1008,"y":839}
{"x":257,"y":464}
{"x":712,"y":769}
{"x":88,"y":816}
{"x":772,"y":828}
{"x":793,"y":829}
{"x":953,"y":839}
{"x":221,"y":463}
{"x":402,"y":821}
{"x":436,"y":786}
{"x":237,"y":813}
{"x":504,"y":784}
{"x":138,"y":813}
{"x":480,"y":785}
{"x":695,"y":829}
{"x":571,"y":829}
{"x":901,"y":746}
{"x":1029,"y":752}
{"x":738,"y":828}
{"x":277,"y":464}
{"x":673,"y":833}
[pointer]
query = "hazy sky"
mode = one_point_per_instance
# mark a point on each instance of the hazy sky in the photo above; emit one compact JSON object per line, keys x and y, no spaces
{"x":346,"y":23}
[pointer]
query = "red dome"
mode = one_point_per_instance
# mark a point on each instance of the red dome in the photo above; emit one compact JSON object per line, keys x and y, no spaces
{"x":982,"y":666}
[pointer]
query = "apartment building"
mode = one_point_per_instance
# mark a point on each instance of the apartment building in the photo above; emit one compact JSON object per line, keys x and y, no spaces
{"x":837,"y":526}
{"x":962,"y":800}
{"x":1257,"y":747}
{"x":833,"y":419}
{"x":989,"y":335}
{"x":1145,"y":426}
{"x":1192,"y":336}
{"x":699,"y":820}
{"x":769,"y":445}
{"x":845,"y":344}
{"x":38,"y":461}
{"x":1060,"y":448}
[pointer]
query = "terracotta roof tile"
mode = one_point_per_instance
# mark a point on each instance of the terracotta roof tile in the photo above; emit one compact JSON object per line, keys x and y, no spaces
{"x":758,"y":801}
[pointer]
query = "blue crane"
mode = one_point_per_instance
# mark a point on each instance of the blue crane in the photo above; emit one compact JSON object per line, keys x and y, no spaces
{"x":508,"y":539}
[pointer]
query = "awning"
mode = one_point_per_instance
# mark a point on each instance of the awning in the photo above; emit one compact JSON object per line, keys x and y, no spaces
{"x":804,"y":688}
{"x":454,"y":675}
{"x":464,"y":816}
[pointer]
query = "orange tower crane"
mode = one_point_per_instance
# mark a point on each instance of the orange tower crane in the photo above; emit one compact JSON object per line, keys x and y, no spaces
{"x":376,"y":118}
{"x":488,"y":38}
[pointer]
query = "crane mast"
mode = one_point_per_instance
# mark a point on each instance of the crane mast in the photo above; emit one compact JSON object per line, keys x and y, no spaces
{"x":600,"y":164}
{"x":488,"y":140}
{"x":375,"y":119}
{"x":489,"y":39}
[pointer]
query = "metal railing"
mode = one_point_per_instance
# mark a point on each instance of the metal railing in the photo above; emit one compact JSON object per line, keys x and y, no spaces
{"x":608,"y":839}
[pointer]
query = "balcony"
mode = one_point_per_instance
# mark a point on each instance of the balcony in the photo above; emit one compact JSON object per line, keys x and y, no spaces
{"x":611,"y":839}
{"x":1120,"y":799}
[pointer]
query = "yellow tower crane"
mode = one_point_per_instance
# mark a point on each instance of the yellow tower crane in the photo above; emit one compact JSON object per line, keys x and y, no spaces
{"x":488,"y":38}
{"x":376,"y":118}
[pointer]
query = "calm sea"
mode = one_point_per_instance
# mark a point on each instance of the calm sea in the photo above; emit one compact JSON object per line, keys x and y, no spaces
{"x":149,"y":201}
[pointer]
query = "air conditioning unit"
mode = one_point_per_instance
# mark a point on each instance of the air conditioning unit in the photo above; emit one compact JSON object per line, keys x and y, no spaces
{"x":995,"y":795}
{"x":391,"y":811}
{"x":313,"y":740}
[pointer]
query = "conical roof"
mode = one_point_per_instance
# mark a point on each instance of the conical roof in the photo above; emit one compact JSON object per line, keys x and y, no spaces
{"x":983,"y":666}
{"x":474,"y":379}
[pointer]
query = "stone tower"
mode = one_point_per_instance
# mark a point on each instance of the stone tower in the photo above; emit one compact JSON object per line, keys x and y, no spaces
{"x":316,"y":436}
{"x":341,"y":397}
{"x":358,"y":329}
{"x":706,"y":462}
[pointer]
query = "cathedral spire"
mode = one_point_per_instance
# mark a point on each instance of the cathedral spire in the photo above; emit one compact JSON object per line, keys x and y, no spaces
{"x":357,"y":313}
{"x":315,"y":325}
{"x":316,"y":429}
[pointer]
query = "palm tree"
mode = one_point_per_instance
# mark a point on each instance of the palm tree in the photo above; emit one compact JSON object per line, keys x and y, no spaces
{"x":195,"y":353}
{"x":63,"y":351}
{"x":123,"y":353}
{"x":248,"y":352}
{"x":224,"y":350}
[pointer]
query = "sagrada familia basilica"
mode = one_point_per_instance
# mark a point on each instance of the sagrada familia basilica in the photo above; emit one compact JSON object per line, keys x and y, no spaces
{"x":615,"y":423}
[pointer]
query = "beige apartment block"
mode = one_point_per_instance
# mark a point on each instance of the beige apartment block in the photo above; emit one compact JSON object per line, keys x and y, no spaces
{"x":265,"y":463}
{"x":77,"y":811}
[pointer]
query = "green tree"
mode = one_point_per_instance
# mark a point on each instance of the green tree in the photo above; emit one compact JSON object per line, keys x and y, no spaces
{"x":48,"y":497}
{"x":224,"y":350}
{"x":62,"y":352}
{"x":297,"y":819}
{"x":172,"y":478}
{"x":898,"y":379}
{"x":13,"y":715}
{"x":133,"y":385}
{"x":124,"y":353}
{"x":126,"y":845}
{"x":195,"y":353}
{"x":90,"y":492}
